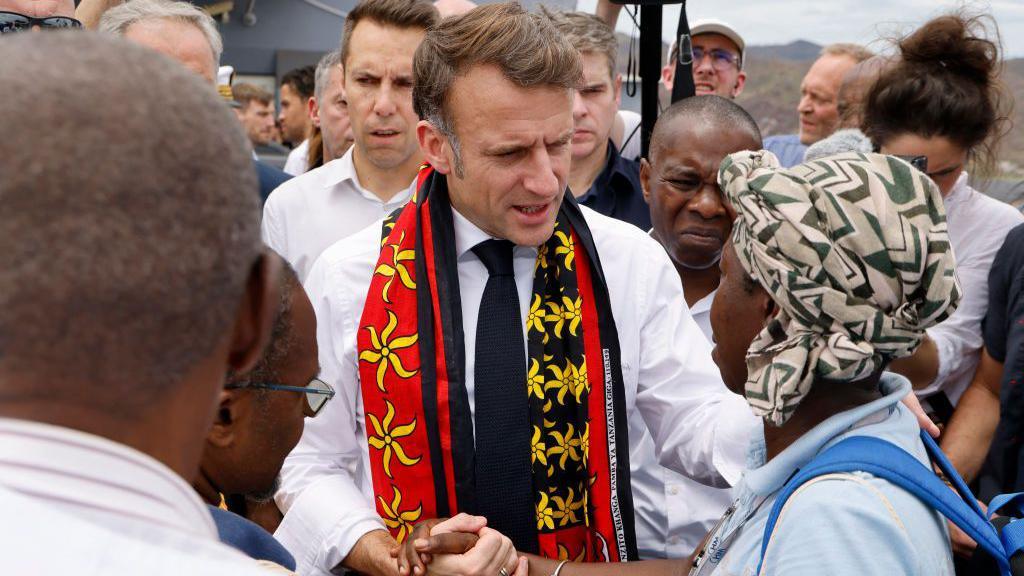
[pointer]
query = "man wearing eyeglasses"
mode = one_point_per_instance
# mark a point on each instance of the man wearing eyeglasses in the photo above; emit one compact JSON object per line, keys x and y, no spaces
{"x":717,"y":69}
{"x":259,"y":419}
{"x":24,"y":15}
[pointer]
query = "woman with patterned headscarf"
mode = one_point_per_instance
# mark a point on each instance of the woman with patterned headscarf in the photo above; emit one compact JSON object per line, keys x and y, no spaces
{"x":835,"y":268}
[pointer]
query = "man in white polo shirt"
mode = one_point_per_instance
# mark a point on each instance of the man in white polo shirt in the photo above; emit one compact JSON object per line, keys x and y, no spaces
{"x":309,"y":213}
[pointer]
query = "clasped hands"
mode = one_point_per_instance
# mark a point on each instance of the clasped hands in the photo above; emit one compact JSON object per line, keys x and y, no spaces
{"x":462,"y":545}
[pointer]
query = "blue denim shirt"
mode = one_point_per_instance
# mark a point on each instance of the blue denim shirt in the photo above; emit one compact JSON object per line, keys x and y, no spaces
{"x":840,"y":524}
{"x":787,"y":148}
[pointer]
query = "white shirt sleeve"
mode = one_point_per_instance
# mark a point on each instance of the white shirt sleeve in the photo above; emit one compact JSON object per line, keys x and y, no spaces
{"x":326,"y":511}
{"x":700,"y":428}
{"x":272,"y":227}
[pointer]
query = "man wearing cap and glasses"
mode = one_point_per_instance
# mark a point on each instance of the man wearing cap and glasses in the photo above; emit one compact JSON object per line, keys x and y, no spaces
{"x":259,"y":419}
{"x":717,"y":69}
{"x":22,"y":15}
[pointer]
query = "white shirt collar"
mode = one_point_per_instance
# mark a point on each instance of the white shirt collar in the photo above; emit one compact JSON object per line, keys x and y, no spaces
{"x":341,"y":170}
{"x":468,"y":235}
{"x":960,"y":191}
{"x":97,"y":479}
{"x":704,"y":304}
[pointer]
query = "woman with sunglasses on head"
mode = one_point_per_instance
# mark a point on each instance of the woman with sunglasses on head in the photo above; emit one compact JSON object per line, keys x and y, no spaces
{"x":939,"y":106}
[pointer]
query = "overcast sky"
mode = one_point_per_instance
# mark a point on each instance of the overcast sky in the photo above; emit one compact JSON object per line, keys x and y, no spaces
{"x":826,"y":21}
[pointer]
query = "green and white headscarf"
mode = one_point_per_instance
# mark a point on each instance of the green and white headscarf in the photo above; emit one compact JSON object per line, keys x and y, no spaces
{"x":855,"y":251}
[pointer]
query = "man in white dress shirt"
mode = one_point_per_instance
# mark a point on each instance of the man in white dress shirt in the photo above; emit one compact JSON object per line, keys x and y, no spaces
{"x":692,"y":220}
{"x":500,"y":170}
{"x":296,"y":125}
{"x":126,"y":294}
{"x":309,"y":213}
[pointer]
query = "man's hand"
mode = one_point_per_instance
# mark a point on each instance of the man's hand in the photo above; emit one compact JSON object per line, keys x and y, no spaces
{"x":491,"y":555}
{"x":370,"y":555}
{"x":413,"y":555}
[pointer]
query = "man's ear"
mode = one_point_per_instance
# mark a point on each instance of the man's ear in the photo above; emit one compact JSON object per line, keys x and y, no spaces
{"x":645,"y":175}
{"x":432,"y":145}
{"x":223,"y":431}
{"x":256,"y":314}
{"x":314,"y":111}
{"x":741,"y":81}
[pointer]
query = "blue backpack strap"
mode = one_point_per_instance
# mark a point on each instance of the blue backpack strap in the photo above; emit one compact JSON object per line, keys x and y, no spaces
{"x":890,"y":462}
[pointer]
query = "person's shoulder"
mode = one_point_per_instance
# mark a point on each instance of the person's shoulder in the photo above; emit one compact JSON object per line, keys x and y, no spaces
{"x":782,"y":139}
{"x":244,"y":535}
{"x":997,"y":213}
{"x":605,"y":228}
{"x":355,"y":250}
{"x":295,"y":187}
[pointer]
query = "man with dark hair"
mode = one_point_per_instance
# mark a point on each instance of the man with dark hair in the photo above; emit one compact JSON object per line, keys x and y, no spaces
{"x":599,"y":178}
{"x":259,"y":420}
{"x":256,"y":113}
{"x":499,"y":314}
{"x":296,"y":125}
{"x":375,"y":176}
{"x":118,"y":328}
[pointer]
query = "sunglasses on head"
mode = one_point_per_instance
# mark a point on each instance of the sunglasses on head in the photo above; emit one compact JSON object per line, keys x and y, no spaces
{"x":14,"y":22}
{"x":919,"y":162}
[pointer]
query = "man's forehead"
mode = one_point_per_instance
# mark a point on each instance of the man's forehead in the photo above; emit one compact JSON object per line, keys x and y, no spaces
{"x":39,"y":8}
{"x":718,"y":40}
{"x":379,"y":46}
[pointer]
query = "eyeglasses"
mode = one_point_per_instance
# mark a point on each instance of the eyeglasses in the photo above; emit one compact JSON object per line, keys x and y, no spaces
{"x":721,"y":60}
{"x":919,"y":162}
{"x":15,"y":22}
{"x":317,"y":392}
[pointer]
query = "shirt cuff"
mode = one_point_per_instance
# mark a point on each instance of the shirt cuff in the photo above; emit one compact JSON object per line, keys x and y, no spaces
{"x":733,"y":436}
{"x":324,"y":524}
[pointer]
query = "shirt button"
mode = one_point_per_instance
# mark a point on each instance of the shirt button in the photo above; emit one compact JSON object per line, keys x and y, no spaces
{"x":674,"y":490}
{"x":673,"y":541}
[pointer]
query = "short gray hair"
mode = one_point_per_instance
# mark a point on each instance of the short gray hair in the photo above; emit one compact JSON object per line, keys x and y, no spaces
{"x":854,"y":51}
{"x":323,"y":72}
{"x":118,"y":19}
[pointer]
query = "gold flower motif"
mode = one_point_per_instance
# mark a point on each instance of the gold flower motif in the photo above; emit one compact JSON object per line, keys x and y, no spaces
{"x":386,"y":438}
{"x":383,"y":353}
{"x":566,"y":248}
{"x":569,"y":380}
{"x":546,"y":516}
{"x":566,"y":445}
{"x":569,"y":312}
{"x":397,"y":268}
{"x":539,"y":448}
{"x":535,"y":381}
{"x":394,"y":517}
{"x":568,"y":507}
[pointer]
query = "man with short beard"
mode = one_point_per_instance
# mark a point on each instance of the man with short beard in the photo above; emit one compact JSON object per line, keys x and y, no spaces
{"x":375,"y":176}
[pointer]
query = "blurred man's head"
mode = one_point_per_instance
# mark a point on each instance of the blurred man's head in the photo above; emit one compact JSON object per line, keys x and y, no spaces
{"x":255,"y":112}
{"x":133,"y":276}
{"x":24,"y":15}
{"x":818,"y":108}
{"x":328,"y":108}
{"x":176,"y":29}
{"x":691,"y":216}
{"x":717,"y":60}
{"x":296,"y":90}
{"x":507,"y":155}
{"x":597,"y":100}
{"x":377,"y":48}
{"x":258,"y":422}
{"x":854,"y":88}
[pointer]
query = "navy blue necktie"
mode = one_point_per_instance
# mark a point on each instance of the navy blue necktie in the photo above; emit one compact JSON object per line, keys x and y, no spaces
{"x":504,"y":484}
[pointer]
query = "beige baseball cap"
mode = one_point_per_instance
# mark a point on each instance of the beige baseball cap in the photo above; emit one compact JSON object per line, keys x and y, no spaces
{"x":713,"y":26}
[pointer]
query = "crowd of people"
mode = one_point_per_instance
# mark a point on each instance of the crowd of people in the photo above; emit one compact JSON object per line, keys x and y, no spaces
{"x":470,"y":328}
